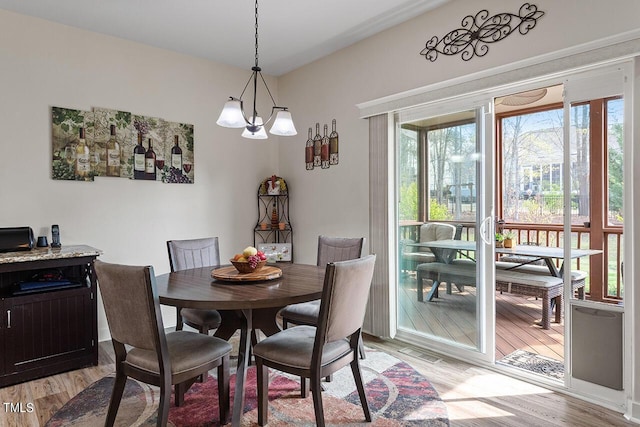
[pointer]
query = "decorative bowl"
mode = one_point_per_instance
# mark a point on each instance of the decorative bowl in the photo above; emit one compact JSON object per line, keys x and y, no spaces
{"x":244,"y":267}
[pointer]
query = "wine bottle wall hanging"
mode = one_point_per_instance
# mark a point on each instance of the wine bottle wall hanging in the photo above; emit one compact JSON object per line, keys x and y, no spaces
{"x":321,"y":150}
{"x":120,"y":144}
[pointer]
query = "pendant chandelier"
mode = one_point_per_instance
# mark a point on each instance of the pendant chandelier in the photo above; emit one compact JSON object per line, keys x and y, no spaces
{"x":234,"y":116}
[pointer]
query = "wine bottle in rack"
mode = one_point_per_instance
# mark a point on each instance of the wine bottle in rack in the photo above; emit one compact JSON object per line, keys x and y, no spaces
{"x":113,"y":154}
{"x":150,"y":163}
{"x":274,"y":217}
{"x":176,"y":155}
{"x":317,"y":146}
{"x":308,"y":151}
{"x":83,"y":165}
{"x":324,"y":151}
{"x":333,"y":144}
{"x":138,"y":159}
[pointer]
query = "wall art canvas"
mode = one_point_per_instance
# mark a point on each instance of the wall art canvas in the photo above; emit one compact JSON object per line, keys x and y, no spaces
{"x":112,"y":143}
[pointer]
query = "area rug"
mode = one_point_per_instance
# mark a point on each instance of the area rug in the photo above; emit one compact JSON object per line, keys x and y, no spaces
{"x":398,"y":396}
{"x":535,"y":363}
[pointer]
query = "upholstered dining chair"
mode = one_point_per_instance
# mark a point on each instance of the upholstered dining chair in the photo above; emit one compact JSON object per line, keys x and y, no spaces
{"x":330,"y":249}
{"x":315,"y":352}
{"x":194,"y":253}
{"x":143,"y":350}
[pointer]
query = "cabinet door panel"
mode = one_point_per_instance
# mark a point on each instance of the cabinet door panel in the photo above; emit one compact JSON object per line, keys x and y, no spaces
{"x":47,"y":328}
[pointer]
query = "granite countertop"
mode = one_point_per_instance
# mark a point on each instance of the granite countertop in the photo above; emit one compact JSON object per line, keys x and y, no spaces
{"x":39,"y":254}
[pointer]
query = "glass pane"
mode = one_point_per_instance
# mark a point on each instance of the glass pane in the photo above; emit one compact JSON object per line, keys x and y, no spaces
{"x":532,"y":158}
{"x":452,"y":173}
{"x":408,"y":175}
{"x":437,"y":190}
{"x":580,"y":158}
{"x":615,"y":154}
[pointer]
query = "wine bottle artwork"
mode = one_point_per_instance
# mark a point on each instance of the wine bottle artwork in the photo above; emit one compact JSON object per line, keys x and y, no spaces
{"x":333,"y":144}
{"x":176,"y":154}
{"x":317,"y":146}
{"x":308,"y":151}
{"x":83,"y":165}
{"x":113,"y":153}
{"x":150,"y":162}
{"x":139,"y":159}
{"x":102,"y":143}
{"x":324,"y":150}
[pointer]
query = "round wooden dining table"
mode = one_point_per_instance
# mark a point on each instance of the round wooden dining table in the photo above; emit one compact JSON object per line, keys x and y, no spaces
{"x":243,"y":305}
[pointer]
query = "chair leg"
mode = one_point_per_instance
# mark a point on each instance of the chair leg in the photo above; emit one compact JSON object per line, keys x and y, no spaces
{"x":165,"y":400}
{"x":285,"y":324}
{"x":304,"y":387}
{"x":179,"y":323}
{"x":262,"y":373}
{"x":179,"y":390}
{"x":316,"y":391}
{"x":223,"y":390}
{"x":357,"y":376}
{"x":361,"y":348}
{"x":116,"y":396}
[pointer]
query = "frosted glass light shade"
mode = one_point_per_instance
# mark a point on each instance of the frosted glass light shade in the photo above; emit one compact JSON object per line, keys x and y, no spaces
{"x":283,"y":124}
{"x":231,"y":115}
{"x":260,"y":134}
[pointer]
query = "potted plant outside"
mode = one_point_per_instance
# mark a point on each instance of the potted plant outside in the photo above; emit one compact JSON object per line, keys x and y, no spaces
{"x":509,"y":237}
{"x":499,"y":240}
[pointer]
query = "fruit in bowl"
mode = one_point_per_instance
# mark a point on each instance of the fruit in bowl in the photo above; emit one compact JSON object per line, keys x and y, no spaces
{"x":249,"y":261}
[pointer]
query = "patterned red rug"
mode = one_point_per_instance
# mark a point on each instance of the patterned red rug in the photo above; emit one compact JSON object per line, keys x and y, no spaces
{"x":398,"y":396}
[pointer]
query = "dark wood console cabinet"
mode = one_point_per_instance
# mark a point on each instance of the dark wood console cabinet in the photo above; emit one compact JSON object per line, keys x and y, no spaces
{"x":47,"y":331}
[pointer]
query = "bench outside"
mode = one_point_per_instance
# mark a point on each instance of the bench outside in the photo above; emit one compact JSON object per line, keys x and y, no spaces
{"x":531,"y":283}
{"x":578,"y":277}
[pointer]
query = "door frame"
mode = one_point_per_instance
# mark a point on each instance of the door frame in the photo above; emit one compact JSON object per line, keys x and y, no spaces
{"x":485,"y":314}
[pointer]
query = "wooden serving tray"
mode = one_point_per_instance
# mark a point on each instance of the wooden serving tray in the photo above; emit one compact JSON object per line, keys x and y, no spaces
{"x":230,"y":273}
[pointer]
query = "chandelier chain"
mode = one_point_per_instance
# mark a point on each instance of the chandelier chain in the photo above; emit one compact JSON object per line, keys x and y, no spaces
{"x":256,"y":33}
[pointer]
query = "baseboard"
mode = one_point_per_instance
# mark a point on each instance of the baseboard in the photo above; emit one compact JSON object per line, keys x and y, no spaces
{"x":633,"y":411}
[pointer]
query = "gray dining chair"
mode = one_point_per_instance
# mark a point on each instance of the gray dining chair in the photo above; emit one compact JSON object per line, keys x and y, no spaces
{"x":194,"y":253}
{"x":142,"y":349}
{"x":316,"y":352}
{"x":330,"y":249}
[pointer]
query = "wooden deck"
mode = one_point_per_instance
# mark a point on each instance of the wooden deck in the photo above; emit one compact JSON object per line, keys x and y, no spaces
{"x":454,"y":317}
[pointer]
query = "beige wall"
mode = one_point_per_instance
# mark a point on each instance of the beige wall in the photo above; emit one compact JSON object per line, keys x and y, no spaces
{"x":44,"y":64}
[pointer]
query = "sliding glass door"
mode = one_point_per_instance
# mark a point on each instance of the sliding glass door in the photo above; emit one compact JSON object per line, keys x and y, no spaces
{"x":444,"y":194}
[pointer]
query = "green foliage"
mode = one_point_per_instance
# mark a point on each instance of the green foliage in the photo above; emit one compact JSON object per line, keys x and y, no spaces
{"x":438,"y":211}
{"x":187,"y":131}
{"x":68,"y":120}
{"x":408,"y":206}
{"x":615,"y":170}
{"x":122,"y":119}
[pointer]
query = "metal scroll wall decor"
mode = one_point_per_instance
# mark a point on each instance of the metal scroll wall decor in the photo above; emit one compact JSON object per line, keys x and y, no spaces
{"x":322,"y":150}
{"x":480,"y":30}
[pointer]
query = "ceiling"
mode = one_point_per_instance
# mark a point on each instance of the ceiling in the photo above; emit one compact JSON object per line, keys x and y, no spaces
{"x":291,"y":32}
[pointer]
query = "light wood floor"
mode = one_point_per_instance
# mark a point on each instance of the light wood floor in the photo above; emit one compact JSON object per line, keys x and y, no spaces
{"x":453,"y":316}
{"x":474,"y":396}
